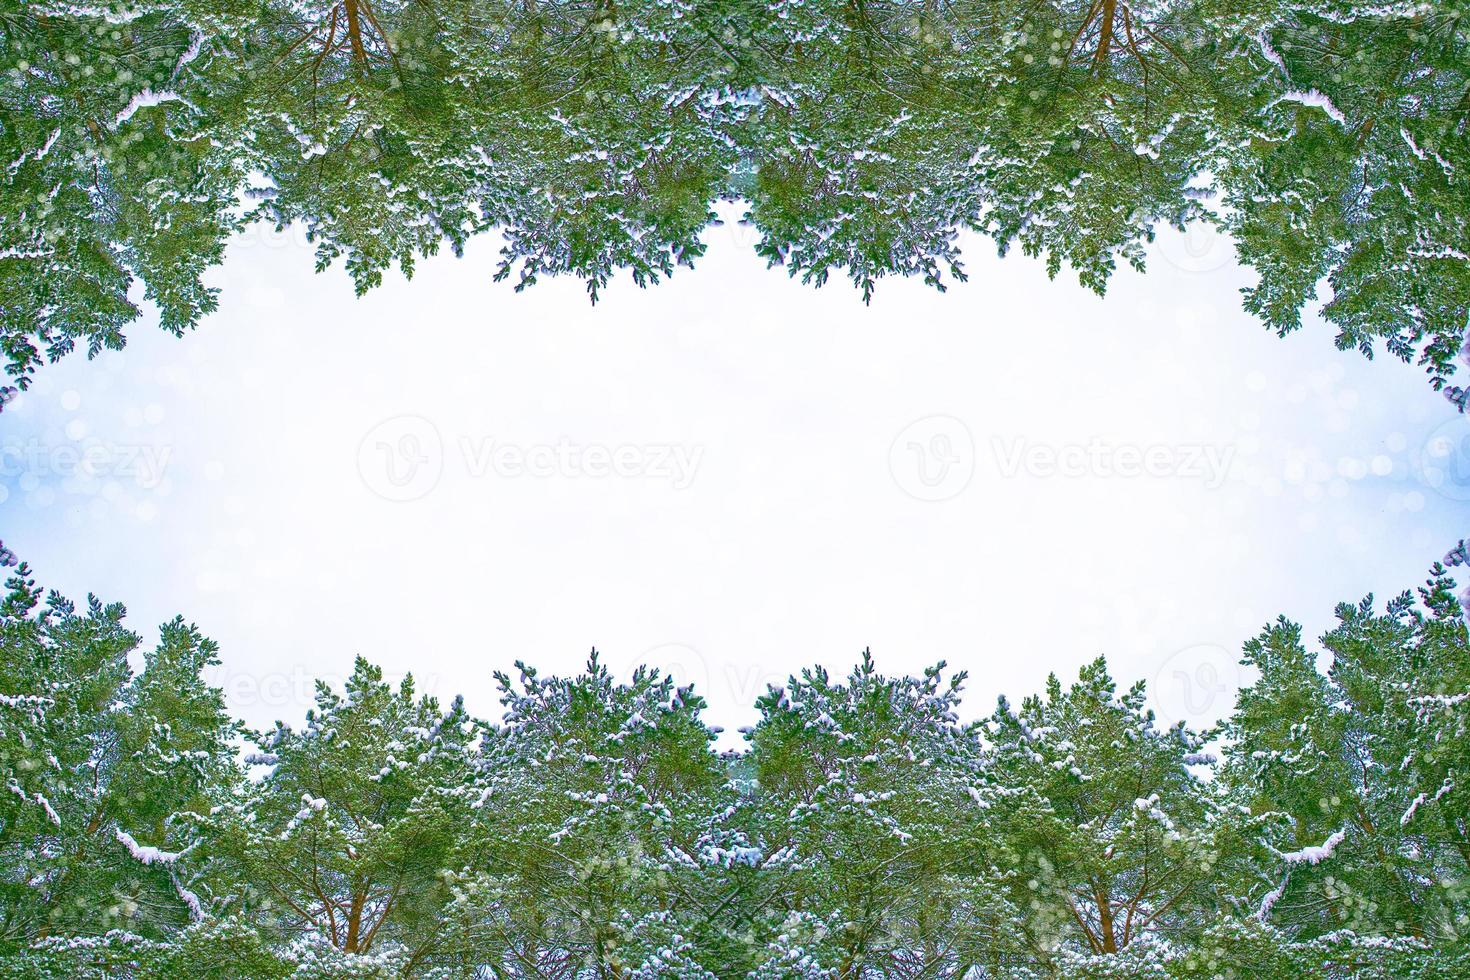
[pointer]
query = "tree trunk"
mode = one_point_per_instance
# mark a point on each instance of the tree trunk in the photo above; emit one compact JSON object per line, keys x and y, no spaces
{"x":354,"y":31}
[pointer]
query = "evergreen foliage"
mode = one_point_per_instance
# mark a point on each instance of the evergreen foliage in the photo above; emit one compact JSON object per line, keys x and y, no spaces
{"x":866,"y":831}
{"x":1327,"y":138}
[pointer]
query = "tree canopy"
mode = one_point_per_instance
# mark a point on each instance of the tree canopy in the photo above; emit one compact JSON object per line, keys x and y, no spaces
{"x":1327,"y":139}
{"x":867,"y":831}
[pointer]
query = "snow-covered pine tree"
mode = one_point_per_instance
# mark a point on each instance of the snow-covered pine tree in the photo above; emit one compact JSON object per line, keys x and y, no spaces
{"x":595,"y":138}
{"x":866,"y":834}
{"x":1108,"y":832}
{"x":111,"y":177}
{"x":592,"y":842}
{"x":861,"y":786}
{"x":347,"y":845}
{"x":1357,"y":771}
{"x":106,"y":771}
{"x":1342,"y":166}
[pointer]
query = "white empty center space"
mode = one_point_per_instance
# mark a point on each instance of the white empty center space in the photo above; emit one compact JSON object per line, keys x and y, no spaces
{"x":730,"y":475}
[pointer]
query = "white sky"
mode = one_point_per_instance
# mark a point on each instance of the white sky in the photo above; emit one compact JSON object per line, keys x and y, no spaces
{"x":810,"y":430}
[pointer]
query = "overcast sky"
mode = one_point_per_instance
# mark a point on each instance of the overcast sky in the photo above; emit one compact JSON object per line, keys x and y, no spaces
{"x":731,"y":475}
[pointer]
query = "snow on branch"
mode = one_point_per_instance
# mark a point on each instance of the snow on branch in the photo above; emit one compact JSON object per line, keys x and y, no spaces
{"x":1317,"y":853}
{"x":1316,"y":99}
{"x":147,"y":855}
